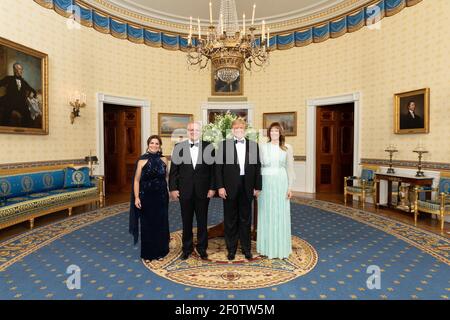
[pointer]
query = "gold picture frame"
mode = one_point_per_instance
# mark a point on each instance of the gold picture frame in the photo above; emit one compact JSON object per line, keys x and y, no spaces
{"x":169,"y":122}
{"x":288,"y":121}
{"x":23,"y":89}
{"x":412,"y":112}
{"x":220,"y":88}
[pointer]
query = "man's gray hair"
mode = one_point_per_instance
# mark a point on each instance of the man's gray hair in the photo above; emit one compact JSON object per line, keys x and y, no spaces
{"x":16,"y":64}
{"x":195,"y":122}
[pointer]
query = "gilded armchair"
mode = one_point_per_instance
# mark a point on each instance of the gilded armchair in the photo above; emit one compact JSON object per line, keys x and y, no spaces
{"x":363,"y":186}
{"x":439,"y":204}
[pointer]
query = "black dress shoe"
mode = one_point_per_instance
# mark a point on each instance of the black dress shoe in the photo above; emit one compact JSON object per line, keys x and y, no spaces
{"x":203,"y":255}
{"x":231,"y":256}
{"x":248,"y":255}
{"x":185,"y":255}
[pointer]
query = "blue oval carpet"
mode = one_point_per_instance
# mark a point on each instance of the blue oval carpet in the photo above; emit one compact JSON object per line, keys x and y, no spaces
{"x":337,"y":253}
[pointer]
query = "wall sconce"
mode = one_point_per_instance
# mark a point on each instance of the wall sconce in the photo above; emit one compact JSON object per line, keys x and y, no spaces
{"x":76,"y":101}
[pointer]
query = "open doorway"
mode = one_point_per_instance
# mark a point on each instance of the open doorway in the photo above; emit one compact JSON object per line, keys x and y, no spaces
{"x":122,"y":145}
{"x":334,"y":146}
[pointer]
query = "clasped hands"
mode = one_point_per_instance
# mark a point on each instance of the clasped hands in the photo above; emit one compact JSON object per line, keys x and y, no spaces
{"x":223,"y":193}
{"x":176,"y":194}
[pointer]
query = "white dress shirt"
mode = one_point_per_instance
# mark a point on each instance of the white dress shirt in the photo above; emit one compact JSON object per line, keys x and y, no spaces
{"x":19,"y":84}
{"x":240,"y":148}
{"x":412,"y":114}
{"x":194,"y":153}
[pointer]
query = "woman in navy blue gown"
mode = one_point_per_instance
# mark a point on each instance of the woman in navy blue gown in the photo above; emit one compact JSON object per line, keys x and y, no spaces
{"x":150,"y":202}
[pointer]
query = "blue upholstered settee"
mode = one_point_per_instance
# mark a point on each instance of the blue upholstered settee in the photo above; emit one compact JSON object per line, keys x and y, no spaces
{"x":28,"y":195}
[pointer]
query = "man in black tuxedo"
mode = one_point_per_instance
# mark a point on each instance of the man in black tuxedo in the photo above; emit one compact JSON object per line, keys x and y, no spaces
{"x":14,"y":106}
{"x":191,"y":180}
{"x":411,"y":120}
{"x":238,"y":179}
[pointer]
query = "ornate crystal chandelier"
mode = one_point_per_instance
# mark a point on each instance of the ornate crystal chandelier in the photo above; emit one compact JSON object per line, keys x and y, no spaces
{"x":227,"y":46}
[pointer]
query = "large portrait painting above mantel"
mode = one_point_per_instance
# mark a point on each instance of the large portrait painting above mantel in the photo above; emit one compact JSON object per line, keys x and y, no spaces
{"x":23,"y":89}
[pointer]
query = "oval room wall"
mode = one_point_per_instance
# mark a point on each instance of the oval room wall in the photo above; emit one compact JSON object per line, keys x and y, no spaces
{"x":378,"y":62}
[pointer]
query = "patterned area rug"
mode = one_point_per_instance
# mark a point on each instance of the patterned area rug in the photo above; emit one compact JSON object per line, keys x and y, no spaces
{"x":343,"y":243}
{"x":219,"y":273}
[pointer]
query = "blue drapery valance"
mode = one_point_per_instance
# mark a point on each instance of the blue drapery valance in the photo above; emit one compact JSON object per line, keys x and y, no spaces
{"x":101,"y":23}
{"x":357,"y":19}
{"x":338,"y":27}
{"x":135,"y":35}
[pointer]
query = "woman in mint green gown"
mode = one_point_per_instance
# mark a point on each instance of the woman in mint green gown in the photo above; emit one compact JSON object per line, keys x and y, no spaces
{"x":274,"y":211}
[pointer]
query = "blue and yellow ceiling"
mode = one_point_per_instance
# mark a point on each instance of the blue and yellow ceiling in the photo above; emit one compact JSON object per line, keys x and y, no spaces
{"x":165,"y":23}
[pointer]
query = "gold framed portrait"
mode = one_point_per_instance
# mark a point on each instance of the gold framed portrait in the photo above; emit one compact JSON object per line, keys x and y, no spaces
{"x":412,"y":111}
{"x":287,"y":120}
{"x":221,"y":88}
{"x":170,"y":123}
{"x":23,"y":89}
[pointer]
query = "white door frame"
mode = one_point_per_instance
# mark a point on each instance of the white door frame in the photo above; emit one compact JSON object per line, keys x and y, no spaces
{"x":227,"y":105}
{"x":120,"y":101}
{"x":312,"y":105}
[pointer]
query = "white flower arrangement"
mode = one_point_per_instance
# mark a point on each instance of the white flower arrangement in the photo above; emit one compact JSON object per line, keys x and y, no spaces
{"x":220,"y":129}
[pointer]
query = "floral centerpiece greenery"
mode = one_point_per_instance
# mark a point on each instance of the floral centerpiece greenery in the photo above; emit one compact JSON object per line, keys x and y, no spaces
{"x":220,"y":129}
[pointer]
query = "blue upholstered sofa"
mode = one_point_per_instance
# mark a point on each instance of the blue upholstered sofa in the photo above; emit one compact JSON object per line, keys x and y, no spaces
{"x":27,"y":195}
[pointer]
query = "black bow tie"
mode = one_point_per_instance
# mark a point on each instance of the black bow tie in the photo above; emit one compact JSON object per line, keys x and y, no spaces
{"x":194,"y":144}
{"x":239,"y":141}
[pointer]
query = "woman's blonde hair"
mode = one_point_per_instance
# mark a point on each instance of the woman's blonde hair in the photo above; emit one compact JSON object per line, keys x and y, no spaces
{"x":238,"y":121}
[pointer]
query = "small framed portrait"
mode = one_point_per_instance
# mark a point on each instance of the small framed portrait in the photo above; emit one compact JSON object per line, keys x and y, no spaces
{"x":222,"y":88}
{"x":23,"y":89}
{"x":169,"y":122}
{"x":288,"y":120}
{"x":240,"y":113}
{"x":412,"y":111}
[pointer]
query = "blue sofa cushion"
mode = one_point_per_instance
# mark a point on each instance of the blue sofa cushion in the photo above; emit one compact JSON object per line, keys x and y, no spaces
{"x":77,"y":178}
{"x":39,"y":195}
{"x":434,"y":205}
{"x":444,"y":185}
{"x":24,"y":184}
{"x":35,"y":202}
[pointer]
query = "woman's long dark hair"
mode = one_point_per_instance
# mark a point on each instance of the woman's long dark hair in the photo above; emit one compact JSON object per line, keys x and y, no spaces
{"x":282,"y":137}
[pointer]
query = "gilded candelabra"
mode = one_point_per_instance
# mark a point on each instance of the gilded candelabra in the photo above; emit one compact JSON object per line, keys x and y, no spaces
{"x":391,"y":149}
{"x":420,"y":151}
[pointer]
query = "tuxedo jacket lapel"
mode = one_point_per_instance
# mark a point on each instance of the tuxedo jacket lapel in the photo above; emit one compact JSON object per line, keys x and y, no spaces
{"x":235,"y":155}
{"x":247,"y":155}
{"x":187,"y":152}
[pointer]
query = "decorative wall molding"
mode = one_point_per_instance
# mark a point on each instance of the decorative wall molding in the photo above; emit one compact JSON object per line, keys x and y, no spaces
{"x":407,"y":164}
{"x":37,"y":164}
{"x":328,"y":28}
{"x":142,"y":14}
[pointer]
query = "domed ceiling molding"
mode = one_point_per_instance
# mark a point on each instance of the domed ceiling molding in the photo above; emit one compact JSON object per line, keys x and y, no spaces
{"x":140,"y":14}
{"x":314,"y":28}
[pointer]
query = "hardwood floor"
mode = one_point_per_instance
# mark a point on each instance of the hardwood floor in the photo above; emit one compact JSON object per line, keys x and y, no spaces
{"x":424,"y":222}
